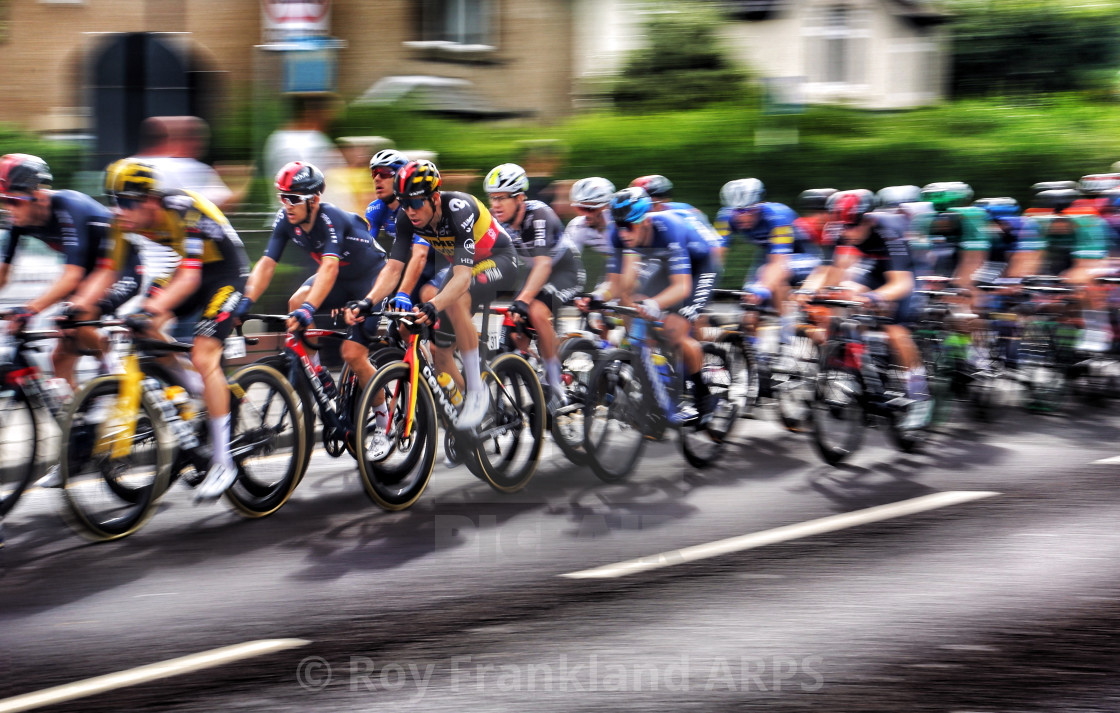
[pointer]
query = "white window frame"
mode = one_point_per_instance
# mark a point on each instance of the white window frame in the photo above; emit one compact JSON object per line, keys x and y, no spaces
{"x":457,"y":43}
{"x":856,"y":36}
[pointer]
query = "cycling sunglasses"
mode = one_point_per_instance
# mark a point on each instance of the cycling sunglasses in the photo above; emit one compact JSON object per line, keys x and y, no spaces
{"x":127,"y":203}
{"x":294,"y":199}
{"x":413,"y":203}
{"x":383,"y":172}
{"x":14,"y":200}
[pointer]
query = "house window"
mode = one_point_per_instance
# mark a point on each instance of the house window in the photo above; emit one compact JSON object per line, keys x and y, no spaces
{"x":836,"y":40}
{"x":459,"y":22}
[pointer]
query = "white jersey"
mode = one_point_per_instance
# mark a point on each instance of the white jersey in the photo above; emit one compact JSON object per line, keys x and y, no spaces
{"x":582,"y":235}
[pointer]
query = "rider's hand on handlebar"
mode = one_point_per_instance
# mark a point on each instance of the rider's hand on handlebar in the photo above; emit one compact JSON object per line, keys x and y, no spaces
{"x":301,"y":318}
{"x":426,"y":313}
{"x":357,"y":310}
{"x":403,"y":302}
{"x":650,"y":310}
{"x":519,"y":311}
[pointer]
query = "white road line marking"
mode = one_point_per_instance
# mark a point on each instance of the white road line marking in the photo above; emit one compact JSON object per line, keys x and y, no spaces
{"x":1107,"y":461}
{"x":782,"y":534}
{"x":143,"y":674}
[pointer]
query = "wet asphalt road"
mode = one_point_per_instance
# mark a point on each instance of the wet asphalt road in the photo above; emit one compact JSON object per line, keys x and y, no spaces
{"x":1006,"y":603}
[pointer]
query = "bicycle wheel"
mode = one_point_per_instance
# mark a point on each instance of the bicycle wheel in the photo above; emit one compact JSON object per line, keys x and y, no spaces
{"x":703,"y":448}
{"x":744,"y":374}
{"x":111,"y":488}
{"x":613,"y":417}
{"x":267,"y":440}
{"x":282,"y":364}
{"x":577,"y":359}
{"x":794,"y":379}
{"x":19,"y":438}
{"x":838,"y":418}
{"x":512,"y":433}
{"x":395,"y":471}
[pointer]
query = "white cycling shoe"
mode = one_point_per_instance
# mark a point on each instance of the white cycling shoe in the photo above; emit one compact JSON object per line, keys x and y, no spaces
{"x":218,"y":479}
{"x":53,"y":478}
{"x":475,"y":406}
{"x":379,"y":444}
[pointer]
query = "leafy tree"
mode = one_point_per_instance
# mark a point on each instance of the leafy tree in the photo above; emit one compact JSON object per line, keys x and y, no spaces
{"x":682,"y":65}
{"x":1028,"y":46}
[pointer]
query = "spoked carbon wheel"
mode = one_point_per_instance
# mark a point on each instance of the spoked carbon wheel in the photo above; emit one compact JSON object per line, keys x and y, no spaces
{"x":613,"y":417}
{"x":512,"y":434}
{"x":396,"y":460}
{"x":838,"y":418}
{"x":282,"y":364}
{"x":743,"y":392}
{"x":115,"y":466}
{"x":702,"y":448}
{"x":19,"y":440}
{"x":577,"y":359}
{"x":267,"y":440}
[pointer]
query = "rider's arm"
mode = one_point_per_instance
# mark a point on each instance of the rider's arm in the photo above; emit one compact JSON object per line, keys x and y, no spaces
{"x":69,"y":281}
{"x":455,"y":288}
{"x":1025,"y":262}
{"x":538,"y":276}
{"x":260,"y":278}
{"x":680,"y":287}
{"x":899,"y":285}
{"x":184,"y":283}
{"x":325,"y":278}
{"x":5,"y":271}
{"x":415,"y":267}
{"x":627,"y":278}
{"x":386,"y":281}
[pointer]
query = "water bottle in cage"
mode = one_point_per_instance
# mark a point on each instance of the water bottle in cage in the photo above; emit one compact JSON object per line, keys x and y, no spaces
{"x":170,"y":413}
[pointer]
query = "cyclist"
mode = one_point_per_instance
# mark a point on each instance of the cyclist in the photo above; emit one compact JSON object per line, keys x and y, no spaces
{"x":813,"y":205}
{"x":1016,"y":248}
{"x":210,"y":278}
{"x":675,"y":283}
{"x":1077,"y":249}
{"x":556,"y":271}
{"x":954,"y":239}
{"x":339,"y":241}
{"x":70,"y":223}
{"x":660,"y":191}
{"x":591,"y":228}
{"x":482,"y":262}
{"x":790,"y":255}
{"x":873,"y":260}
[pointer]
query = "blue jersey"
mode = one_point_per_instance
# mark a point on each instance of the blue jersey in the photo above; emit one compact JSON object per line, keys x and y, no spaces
{"x":381,"y":217}
{"x":676,"y":243}
{"x":775,"y":230}
{"x":700,"y":221}
{"x":77,"y":227}
{"x":1014,"y":234}
{"x":334,"y":233}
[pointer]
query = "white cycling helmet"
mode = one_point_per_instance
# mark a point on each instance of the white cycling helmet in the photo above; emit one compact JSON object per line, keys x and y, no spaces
{"x":894,"y":196}
{"x":591,"y":192}
{"x":742,"y":193}
{"x":507,"y":178}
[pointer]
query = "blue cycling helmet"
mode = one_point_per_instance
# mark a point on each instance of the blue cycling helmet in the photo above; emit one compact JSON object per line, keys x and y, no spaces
{"x":999,"y":208}
{"x":388,"y":158}
{"x":630,"y":205}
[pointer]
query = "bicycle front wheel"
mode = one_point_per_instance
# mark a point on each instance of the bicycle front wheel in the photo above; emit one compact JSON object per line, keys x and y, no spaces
{"x":613,"y":419}
{"x":702,"y":448}
{"x":512,"y":434}
{"x":267,"y":440}
{"x":577,"y":359}
{"x":838,"y":417}
{"x":114,"y":466}
{"x":19,"y":440}
{"x":396,"y":459}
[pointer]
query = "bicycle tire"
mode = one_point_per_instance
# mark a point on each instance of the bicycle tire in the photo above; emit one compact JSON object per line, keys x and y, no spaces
{"x":616,"y":395}
{"x":282,"y":364}
{"x":838,"y":399}
{"x":505,"y":461}
{"x":105,"y":499}
{"x":702,"y":449}
{"x":19,"y":439}
{"x":793,"y":391}
{"x":382,"y":478}
{"x":261,"y":427}
{"x":744,"y":373}
{"x":577,"y":357}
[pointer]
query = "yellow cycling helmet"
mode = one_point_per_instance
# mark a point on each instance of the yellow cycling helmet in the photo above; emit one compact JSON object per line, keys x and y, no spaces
{"x":131,"y":178}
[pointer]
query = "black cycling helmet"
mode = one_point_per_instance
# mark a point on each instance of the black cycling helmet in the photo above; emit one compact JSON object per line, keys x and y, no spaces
{"x":814,"y":199}
{"x":23,"y":173}
{"x":300,"y":178}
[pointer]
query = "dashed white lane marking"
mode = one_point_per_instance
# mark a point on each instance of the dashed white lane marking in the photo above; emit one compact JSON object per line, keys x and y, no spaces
{"x":782,"y":534}
{"x":1107,"y":461}
{"x":143,"y":674}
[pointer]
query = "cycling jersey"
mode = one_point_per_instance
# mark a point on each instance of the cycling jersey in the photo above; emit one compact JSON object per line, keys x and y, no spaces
{"x":937,"y":239}
{"x":1014,"y":234}
{"x":775,"y":230}
{"x":699,"y":223}
{"x":334,"y":233}
{"x":465,"y":234}
{"x":884,"y":250}
{"x":381,"y":217}
{"x":193,"y":228}
{"x":581,"y":235}
{"x":1072,"y":237}
{"x":78,"y":227}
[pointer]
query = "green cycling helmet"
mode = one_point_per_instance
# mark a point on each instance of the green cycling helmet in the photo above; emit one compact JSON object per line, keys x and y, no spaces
{"x":950,"y":194}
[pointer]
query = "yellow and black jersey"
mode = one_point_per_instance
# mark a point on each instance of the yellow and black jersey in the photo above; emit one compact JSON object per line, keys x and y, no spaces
{"x":192,"y":227}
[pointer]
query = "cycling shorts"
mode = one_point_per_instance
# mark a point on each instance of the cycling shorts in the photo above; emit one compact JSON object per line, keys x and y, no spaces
{"x":564,"y":283}
{"x":343,"y":291}
{"x":216,"y":297}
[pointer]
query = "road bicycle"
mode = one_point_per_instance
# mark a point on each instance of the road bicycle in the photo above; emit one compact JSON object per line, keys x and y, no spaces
{"x":127,"y":437}
{"x":396,"y":459}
